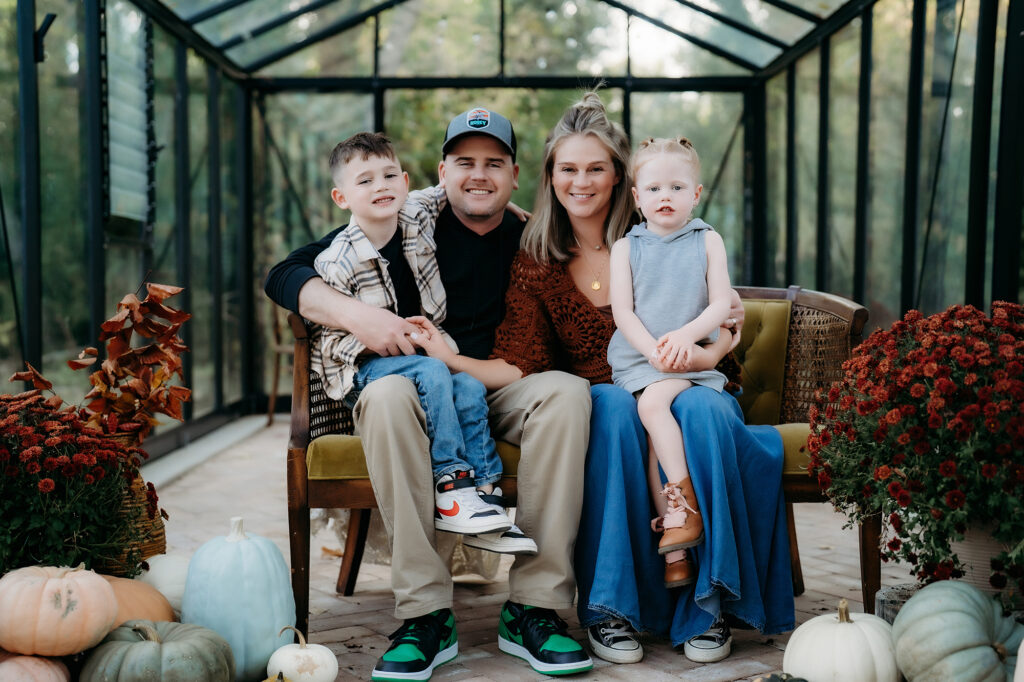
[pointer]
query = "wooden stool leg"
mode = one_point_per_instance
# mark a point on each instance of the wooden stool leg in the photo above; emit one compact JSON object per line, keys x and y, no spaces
{"x":272,"y":402}
{"x":794,"y":553}
{"x":870,"y":560}
{"x":358,"y":528}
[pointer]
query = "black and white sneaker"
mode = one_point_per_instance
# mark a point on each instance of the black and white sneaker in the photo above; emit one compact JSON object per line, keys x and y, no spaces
{"x":712,"y":646}
{"x":616,"y":641}
{"x":511,"y":541}
{"x":458,"y":508}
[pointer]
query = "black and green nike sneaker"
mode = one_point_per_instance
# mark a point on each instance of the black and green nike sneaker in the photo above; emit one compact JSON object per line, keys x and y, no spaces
{"x":541,"y":638}
{"x":419,"y":646}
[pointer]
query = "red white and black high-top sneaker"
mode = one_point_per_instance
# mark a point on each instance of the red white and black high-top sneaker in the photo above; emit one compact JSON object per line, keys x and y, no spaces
{"x":458,"y":508}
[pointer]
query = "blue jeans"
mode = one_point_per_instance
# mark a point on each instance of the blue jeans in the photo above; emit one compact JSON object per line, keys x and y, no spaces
{"x":742,"y":566}
{"x":456,"y":411}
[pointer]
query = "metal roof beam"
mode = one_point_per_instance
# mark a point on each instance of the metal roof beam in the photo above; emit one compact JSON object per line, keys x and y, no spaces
{"x":841,"y":17}
{"x":213,"y":11}
{"x":326,"y":32}
{"x":367,"y":84}
{"x":713,"y":49}
{"x":281,"y":20}
{"x":733,"y":23}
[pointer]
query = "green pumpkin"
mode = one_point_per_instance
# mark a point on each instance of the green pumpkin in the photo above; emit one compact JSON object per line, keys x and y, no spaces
{"x":239,"y":586}
{"x":950,"y":630}
{"x":182,"y":653}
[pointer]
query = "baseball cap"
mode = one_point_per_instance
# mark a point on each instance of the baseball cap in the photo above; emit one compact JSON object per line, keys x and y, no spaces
{"x":480,"y":121}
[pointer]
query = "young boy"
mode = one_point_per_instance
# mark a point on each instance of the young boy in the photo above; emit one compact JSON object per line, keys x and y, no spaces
{"x":384,"y":259}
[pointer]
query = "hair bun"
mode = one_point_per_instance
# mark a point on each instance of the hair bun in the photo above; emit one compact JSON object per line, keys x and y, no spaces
{"x":646,"y":143}
{"x":685,"y":141}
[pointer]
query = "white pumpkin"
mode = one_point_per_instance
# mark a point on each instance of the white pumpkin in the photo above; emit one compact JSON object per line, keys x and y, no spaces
{"x":843,"y":647}
{"x":167,"y":573}
{"x":1018,"y":675}
{"x":303,"y":662}
{"x":950,"y":630}
{"x":18,"y":668}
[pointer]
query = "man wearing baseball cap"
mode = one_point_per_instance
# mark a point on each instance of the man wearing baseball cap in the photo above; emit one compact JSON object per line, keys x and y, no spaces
{"x":547,"y":414}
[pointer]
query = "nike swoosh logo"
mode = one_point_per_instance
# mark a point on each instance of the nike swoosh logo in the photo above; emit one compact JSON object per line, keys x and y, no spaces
{"x":450,"y":512}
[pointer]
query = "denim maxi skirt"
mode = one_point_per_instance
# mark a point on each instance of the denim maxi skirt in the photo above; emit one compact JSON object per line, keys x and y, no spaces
{"x":743,"y":563}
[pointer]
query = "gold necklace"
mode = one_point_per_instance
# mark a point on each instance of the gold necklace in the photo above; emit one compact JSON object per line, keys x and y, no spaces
{"x":596,"y":284}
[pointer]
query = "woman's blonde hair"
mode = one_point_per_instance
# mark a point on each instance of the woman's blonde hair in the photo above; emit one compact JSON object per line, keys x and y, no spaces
{"x":548,"y":236}
{"x":666,"y":145}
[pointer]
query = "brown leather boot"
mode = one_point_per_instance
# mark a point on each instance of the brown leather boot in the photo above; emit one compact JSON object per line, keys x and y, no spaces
{"x":682,"y":523}
{"x":679,"y":570}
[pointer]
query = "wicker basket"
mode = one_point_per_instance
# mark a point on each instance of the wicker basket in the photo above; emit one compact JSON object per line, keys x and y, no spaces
{"x":151,"y":539}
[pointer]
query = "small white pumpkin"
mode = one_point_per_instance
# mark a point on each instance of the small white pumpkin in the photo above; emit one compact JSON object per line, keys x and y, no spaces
{"x":1018,"y":675}
{"x":843,"y":647}
{"x":951,"y":630}
{"x":167,"y":573}
{"x":303,"y":662}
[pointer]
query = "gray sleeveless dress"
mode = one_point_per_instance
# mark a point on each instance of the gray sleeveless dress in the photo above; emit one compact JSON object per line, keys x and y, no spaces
{"x":670,"y":288}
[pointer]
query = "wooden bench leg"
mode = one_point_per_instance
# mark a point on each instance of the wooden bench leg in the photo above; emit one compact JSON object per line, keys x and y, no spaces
{"x":298,"y":540}
{"x":358,"y":528}
{"x":794,"y":553}
{"x":870,"y":560}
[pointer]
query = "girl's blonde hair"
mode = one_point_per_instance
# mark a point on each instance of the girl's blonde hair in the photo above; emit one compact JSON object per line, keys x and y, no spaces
{"x":548,"y":236}
{"x":666,"y":145}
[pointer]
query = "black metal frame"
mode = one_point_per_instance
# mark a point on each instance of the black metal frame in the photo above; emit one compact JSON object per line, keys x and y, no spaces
{"x":1009,"y":180}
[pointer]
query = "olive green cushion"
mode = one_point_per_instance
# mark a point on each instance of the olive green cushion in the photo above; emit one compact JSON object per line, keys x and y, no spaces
{"x":338,"y":457}
{"x":762,"y":356}
{"x":794,"y":443}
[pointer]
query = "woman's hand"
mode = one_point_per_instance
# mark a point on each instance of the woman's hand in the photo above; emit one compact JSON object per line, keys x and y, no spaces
{"x":518,"y":212}
{"x":429,"y":338}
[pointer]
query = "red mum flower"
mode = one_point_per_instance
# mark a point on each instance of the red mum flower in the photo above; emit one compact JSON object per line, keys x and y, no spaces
{"x":882,"y":473}
{"x":896,"y":522}
{"x":33,"y":468}
{"x":948,"y":468}
{"x":894,"y":545}
{"x":955,"y":499}
{"x":989,"y":470}
{"x":903,"y":499}
{"x":46,"y":485}
{"x":895,"y":488}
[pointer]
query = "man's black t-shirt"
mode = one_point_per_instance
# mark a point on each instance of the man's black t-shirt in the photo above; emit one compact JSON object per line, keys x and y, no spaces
{"x":475,"y":273}
{"x":407,"y":294}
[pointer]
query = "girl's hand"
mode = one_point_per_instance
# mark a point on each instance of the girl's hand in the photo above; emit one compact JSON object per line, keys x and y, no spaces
{"x":429,"y":338}
{"x":518,"y":212}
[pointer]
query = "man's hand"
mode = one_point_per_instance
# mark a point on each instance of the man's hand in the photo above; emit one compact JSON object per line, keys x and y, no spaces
{"x":385,"y":333}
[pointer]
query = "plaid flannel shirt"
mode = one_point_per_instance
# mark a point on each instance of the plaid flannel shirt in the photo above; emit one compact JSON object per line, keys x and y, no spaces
{"x":352,"y":266}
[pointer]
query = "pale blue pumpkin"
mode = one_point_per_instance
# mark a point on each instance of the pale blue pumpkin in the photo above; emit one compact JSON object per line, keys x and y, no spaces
{"x":239,"y":587}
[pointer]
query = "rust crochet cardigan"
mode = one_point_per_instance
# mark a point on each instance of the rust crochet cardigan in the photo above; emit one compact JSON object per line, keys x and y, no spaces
{"x":550,"y":324}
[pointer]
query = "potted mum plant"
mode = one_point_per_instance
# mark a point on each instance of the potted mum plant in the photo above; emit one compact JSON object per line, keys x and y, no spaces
{"x":926,"y":429}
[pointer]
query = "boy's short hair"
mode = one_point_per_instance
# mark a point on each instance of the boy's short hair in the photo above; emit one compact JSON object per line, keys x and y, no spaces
{"x":363,"y":145}
{"x":666,"y":145}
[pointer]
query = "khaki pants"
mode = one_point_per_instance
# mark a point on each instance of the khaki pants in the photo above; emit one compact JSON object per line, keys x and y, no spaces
{"x":548,"y":416}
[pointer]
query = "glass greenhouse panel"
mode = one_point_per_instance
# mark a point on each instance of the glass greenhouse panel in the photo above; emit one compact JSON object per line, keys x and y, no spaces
{"x":709,"y":29}
{"x":347,"y":54}
{"x":946,"y":153}
{"x":584,"y":37}
{"x":844,"y":78}
{"x":775,"y":181}
{"x":232,"y":277}
{"x":714,"y":123}
{"x":821,"y":8}
{"x":997,"y":94}
{"x":808,"y":94}
{"x":890,"y":46}
{"x":162,"y":245}
{"x":761,"y":16}
{"x":416,"y":121}
{"x":440,"y":38}
{"x":299,"y":29}
{"x":65,"y":309}
{"x":200,"y":328}
{"x":249,"y":17}
{"x":655,"y":52}
{"x":10,"y":260}
{"x":126,"y":113}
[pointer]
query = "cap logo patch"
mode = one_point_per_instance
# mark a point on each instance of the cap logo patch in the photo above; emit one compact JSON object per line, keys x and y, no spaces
{"x":478,"y":118}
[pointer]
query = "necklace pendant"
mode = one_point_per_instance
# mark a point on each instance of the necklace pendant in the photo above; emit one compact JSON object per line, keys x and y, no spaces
{"x":595,"y":285}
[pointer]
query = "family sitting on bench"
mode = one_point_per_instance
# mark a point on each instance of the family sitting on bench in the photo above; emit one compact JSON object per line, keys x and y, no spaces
{"x":446,"y":322}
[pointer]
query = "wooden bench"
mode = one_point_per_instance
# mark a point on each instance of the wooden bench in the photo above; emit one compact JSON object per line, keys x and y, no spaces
{"x":793,"y":342}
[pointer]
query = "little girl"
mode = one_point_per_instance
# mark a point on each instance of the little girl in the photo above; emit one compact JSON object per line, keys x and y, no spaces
{"x":669,"y":295}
